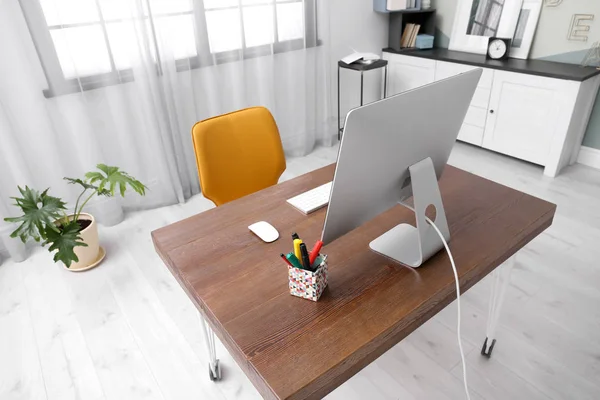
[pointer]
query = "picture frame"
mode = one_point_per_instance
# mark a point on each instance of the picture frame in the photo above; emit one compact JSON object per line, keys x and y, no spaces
{"x":466,"y":23}
{"x":526,"y":27}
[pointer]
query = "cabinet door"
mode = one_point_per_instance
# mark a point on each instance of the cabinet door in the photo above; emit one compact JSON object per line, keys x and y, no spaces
{"x":445,"y":70}
{"x":526,"y":112}
{"x":473,"y":127}
{"x":407,"y":73}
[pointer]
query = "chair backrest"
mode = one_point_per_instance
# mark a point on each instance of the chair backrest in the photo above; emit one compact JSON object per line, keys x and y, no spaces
{"x":238,"y":154}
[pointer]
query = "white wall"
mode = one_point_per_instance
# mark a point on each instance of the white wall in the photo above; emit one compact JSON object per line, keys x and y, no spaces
{"x":553,"y":28}
{"x":354,"y":24}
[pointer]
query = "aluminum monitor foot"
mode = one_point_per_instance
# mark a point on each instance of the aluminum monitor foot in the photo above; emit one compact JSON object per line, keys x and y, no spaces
{"x":409,"y":245}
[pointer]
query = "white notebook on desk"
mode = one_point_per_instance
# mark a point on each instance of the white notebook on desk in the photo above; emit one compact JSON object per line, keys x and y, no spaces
{"x":312,"y":200}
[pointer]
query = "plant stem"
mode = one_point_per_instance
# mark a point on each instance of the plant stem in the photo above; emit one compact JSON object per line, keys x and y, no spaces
{"x":79,"y":198}
{"x":83,"y":205}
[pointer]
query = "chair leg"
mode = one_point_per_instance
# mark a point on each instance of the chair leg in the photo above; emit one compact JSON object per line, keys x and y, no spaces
{"x":214,"y":369}
{"x":501,"y":280}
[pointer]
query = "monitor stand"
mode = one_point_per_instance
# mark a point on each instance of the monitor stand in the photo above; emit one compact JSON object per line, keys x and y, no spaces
{"x":409,"y":245}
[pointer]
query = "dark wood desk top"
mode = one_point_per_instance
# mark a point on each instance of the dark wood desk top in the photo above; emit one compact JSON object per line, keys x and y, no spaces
{"x":292,"y":348}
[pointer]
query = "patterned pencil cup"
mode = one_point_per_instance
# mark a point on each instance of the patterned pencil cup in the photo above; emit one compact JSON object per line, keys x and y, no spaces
{"x":307,"y":284}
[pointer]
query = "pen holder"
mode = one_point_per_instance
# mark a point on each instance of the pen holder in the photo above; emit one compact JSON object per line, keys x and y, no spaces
{"x":308,"y":284}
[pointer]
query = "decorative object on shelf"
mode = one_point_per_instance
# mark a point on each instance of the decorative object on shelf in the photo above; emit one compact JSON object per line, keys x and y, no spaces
{"x":394,"y":5}
{"x":389,"y":6}
{"x":477,"y":20}
{"x":424,"y":42}
{"x":425,"y":4}
{"x":526,"y":26}
{"x":498,"y":48}
{"x":578,"y":30}
{"x":73,"y":236}
{"x":553,"y":3}
{"x":592,"y":58}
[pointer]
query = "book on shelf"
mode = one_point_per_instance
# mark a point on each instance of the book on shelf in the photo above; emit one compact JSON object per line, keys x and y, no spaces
{"x":404,"y":37}
{"x":409,"y":36}
{"x":413,"y":38}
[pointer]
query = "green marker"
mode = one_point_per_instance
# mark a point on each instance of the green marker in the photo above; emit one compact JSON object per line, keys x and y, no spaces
{"x":294,"y":260}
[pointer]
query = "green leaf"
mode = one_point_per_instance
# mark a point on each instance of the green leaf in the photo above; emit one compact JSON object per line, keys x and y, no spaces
{"x":86,"y":186}
{"x":112,"y":178}
{"x":39,"y":213}
{"x":64,"y":240}
{"x":94,"y":176}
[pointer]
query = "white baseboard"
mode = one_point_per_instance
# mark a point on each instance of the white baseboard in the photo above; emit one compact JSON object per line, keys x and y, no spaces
{"x":589,"y":156}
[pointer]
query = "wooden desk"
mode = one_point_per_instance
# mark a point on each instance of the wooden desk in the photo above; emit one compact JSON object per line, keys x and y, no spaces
{"x":292,"y":348}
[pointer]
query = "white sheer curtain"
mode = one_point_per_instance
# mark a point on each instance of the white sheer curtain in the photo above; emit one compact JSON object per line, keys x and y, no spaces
{"x":122,"y":82}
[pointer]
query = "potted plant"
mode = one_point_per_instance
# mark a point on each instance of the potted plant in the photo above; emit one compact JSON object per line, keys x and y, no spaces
{"x":74,"y":236}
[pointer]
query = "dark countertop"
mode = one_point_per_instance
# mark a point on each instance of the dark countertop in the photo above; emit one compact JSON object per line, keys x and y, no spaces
{"x":571,"y":72}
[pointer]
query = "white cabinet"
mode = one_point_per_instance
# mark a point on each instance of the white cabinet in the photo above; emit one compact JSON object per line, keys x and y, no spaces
{"x":534,"y":118}
{"x":445,"y":70}
{"x":405,"y":73}
{"x":474,"y":125}
{"x":526,"y":112}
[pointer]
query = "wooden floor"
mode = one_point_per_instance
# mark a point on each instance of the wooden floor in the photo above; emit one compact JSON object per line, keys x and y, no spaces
{"x":127,"y":331}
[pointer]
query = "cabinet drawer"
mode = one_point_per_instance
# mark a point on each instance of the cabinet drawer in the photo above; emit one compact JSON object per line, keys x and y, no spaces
{"x":445,"y":70}
{"x":486,"y":79}
{"x":412,"y":61}
{"x":481,"y":98}
{"x":406,"y":73}
{"x":476,"y":116}
{"x":471,"y":134}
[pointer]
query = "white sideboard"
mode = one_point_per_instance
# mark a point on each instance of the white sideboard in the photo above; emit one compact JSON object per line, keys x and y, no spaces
{"x":540,"y":119}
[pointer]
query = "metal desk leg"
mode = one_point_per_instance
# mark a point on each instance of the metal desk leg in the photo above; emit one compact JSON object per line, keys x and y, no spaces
{"x":338,"y":114}
{"x":501,"y":280}
{"x":362,"y":80}
{"x":214,"y":369}
{"x":385,"y":82}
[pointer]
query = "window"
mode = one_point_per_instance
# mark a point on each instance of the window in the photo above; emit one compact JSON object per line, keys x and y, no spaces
{"x":485,"y":17}
{"x":85,"y":44}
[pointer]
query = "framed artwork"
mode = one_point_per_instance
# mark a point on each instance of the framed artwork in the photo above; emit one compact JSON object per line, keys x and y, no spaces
{"x":478,"y":20}
{"x":525,"y":31}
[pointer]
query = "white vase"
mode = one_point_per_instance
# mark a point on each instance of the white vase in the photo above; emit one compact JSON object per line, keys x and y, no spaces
{"x":90,"y":255}
{"x":425,"y":4}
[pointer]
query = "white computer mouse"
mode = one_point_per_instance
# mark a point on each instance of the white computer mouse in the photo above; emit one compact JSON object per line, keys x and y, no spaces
{"x":265,"y":231}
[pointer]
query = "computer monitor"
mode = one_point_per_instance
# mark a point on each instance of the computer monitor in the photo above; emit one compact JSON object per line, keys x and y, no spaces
{"x":390,"y":149}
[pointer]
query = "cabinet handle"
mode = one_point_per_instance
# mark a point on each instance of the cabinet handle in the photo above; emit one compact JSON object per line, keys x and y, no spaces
{"x":491,"y":111}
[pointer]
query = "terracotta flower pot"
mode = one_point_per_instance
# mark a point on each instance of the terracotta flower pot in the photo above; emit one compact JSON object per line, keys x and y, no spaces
{"x":91,"y":255}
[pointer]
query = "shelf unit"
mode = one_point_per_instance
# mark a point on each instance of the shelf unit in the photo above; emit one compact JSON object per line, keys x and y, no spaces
{"x":399,"y":19}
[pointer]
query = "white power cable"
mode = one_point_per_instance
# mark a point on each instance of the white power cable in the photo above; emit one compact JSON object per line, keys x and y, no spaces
{"x":462,"y":353}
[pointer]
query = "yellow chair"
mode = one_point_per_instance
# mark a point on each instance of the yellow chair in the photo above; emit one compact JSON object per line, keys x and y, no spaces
{"x":237,"y":154}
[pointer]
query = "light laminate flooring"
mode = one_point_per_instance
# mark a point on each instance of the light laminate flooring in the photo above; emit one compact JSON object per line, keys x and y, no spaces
{"x":126,"y":330}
